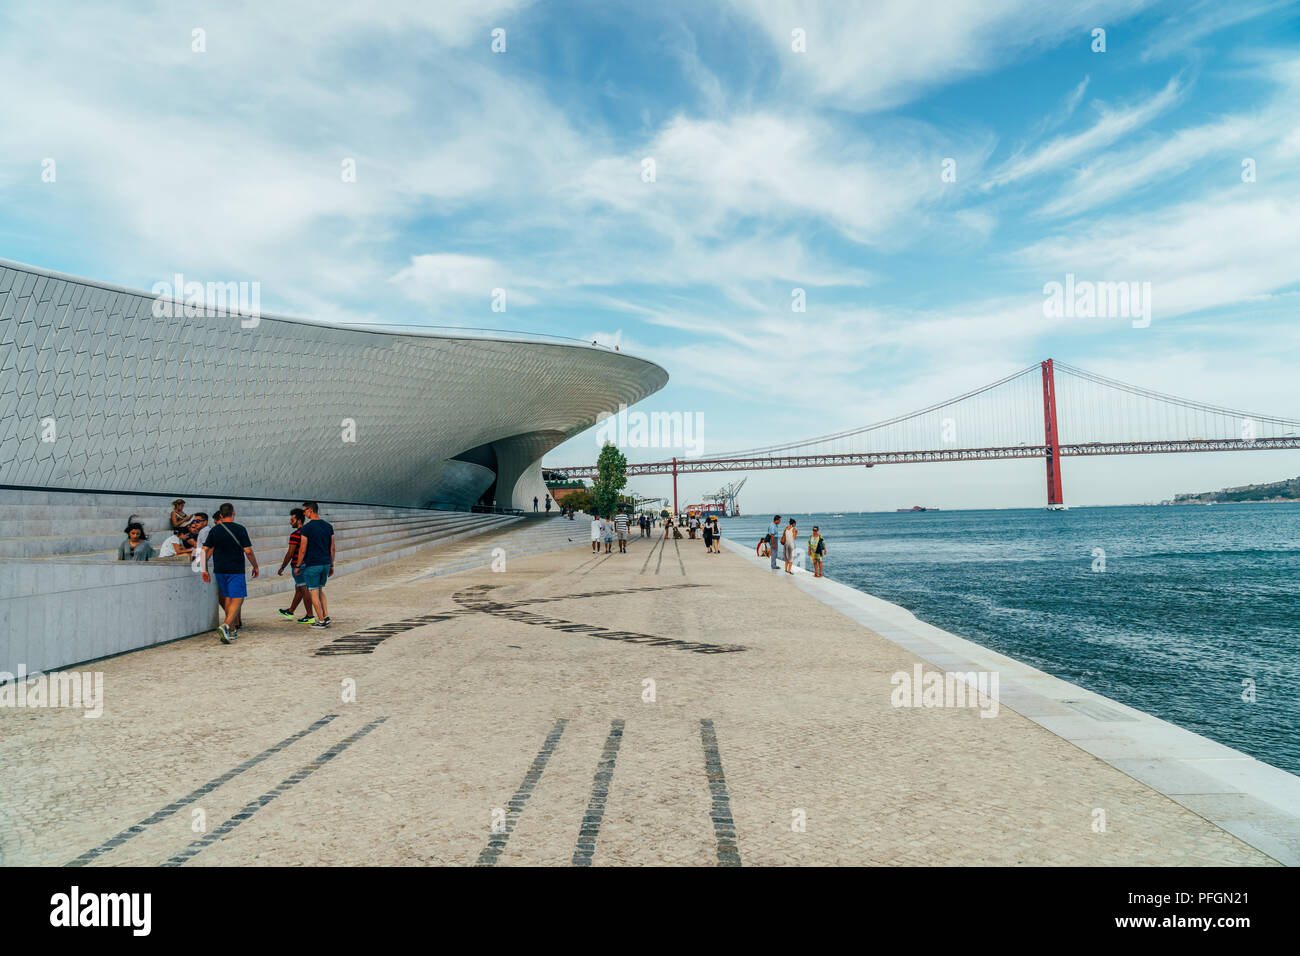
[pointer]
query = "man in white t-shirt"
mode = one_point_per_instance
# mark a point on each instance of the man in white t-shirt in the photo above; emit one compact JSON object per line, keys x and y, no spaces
{"x":199,"y":527}
{"x":597,"y":533}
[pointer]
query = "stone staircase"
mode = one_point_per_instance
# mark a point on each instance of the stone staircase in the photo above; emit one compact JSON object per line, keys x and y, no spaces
{"x":65,"y":598}
{"x":72,"y":528}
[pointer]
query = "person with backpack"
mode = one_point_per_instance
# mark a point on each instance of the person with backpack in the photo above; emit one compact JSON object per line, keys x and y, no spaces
{"x":817,"y":549}
{"x":774,"y":538}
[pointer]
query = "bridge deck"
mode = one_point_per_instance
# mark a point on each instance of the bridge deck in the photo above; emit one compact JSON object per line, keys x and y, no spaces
{"x":520,"y":698}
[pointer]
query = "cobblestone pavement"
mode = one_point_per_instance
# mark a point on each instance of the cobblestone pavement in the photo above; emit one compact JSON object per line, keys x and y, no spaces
{"x":507,"y":718}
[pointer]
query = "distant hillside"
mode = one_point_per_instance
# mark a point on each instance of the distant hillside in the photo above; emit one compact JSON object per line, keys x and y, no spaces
{"x":1286,"y":490}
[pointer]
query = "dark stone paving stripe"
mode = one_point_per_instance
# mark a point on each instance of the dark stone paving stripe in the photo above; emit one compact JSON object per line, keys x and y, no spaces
{"x":579,"y":567}
{"x":202,"y":791}
{"x":591,"y":821}
{"x":515,"y":808}
{"x":680,"y":562}
{"x":724,"y":828}
{"x":650,"y":555}
{"x":288,"y":783}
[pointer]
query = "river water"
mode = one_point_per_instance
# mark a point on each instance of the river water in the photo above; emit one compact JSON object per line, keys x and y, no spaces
{"x":1168,"y":609}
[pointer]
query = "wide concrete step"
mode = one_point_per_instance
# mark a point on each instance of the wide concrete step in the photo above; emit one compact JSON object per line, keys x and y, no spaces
{"x":159,"y":518}
{"x":270,"y":583}
{"x":113,"y":525}
{"x":36,"y":498}
{"x":267,"y":544}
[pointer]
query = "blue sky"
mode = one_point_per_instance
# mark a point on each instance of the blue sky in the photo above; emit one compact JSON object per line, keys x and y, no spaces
{"x":775,"y":169}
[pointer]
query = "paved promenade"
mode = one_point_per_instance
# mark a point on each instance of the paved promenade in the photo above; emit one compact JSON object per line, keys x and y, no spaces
{"x":659,"y":707}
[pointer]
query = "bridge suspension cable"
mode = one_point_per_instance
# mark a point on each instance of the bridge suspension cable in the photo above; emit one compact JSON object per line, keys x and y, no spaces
{"x":1047,"y":411}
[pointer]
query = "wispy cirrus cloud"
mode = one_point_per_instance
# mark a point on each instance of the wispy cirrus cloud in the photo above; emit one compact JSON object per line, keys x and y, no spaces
{"x":1178,"y":34}
{"x":1111,"y":124}
{"x":895,"y":51}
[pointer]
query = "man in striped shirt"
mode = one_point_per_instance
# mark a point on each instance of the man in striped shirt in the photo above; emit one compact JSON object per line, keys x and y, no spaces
{"x":300,"y":593}
{"x":620,"y":531}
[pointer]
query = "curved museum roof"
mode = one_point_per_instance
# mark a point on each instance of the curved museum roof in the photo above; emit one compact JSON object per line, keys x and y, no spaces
{"x":111,"y":389}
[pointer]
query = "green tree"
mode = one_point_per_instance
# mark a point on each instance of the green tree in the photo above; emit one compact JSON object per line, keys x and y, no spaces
{"x":611,"y":478}
{"x":581,"y":500}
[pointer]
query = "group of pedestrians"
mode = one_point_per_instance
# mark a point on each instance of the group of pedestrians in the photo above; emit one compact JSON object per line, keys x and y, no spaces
{"x":605,"y":530}
{"x":222,"y":551}
{"x":548,"y":504}
{"x":309,"y":556}
{"x":785,"y":538}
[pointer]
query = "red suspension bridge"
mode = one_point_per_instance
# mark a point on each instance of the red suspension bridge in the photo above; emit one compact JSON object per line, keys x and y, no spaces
{"x":1050,"y":411}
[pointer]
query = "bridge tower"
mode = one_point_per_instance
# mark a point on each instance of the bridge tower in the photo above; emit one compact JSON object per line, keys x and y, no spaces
{"x":1051,"y":438}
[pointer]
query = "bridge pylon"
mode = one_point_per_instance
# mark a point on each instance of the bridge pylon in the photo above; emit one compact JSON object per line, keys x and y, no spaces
{"x":1050,"y":436}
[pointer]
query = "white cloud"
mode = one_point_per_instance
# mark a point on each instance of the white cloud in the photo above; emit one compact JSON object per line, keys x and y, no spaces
{"x":1212,"y":251}
{"x":1262,"y":134}
{"x":1111,"y":125}
{"x":712,"y":174}
{"x":880,"y":55}
{"x":437,"y":278}
{"x":1177,"y":34}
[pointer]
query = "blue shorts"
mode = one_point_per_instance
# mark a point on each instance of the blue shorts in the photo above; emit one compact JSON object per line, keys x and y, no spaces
{"x":232,"y":585}
{"x":315,"y":575}
{"x":297,"y":576}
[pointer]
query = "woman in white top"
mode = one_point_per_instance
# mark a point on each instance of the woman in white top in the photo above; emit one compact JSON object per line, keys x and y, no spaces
{"x":787,"y":545}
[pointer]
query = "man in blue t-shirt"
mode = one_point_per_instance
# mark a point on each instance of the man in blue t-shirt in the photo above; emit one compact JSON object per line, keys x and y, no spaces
{"x":774,"y":537}
{"x":315,"y":561}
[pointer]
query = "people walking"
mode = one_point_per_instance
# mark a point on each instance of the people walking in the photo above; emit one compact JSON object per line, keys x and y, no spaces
{"x":817,"y":548}
{"x":227,"y":546}
{"x":609,"y":535}
{"x":597,"y":533}
{"x":774,"y":537}
{"x":708,"y":537}
{"x":620,"y":531}
{"x":316,"y":560}
{"x":548,"y":504}
{"x":297,"y":518}
{"x":716,"y":534}
{"x":787,"y":545}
